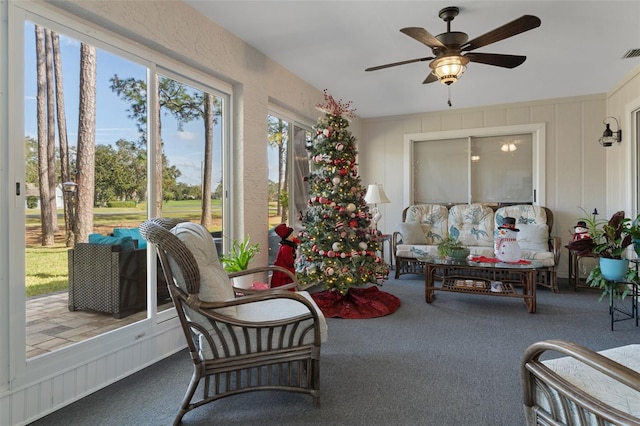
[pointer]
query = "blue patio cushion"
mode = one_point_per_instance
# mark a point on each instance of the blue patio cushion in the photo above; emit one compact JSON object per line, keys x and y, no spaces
{"x":134,"y":233}
{"x":125,"y":243}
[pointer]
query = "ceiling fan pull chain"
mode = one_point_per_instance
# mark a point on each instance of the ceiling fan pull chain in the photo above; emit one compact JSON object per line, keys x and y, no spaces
{"x":449,"y":100}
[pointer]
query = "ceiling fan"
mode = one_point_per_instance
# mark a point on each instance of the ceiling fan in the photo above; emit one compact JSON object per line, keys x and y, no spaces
{"x":448,"y":63}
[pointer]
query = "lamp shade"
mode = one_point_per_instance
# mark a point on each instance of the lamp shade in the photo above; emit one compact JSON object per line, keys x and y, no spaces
{"x":449,"y":68}
{"x":375,"y":195}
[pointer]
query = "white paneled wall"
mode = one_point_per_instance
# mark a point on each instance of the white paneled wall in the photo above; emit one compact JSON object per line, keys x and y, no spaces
{"x":622,"y":100}
{"x":24,"y":404}
{"x":575,"y":172}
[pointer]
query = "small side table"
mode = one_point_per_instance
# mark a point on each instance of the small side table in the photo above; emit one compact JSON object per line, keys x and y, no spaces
{"x":618,"y":310}
{"x":386,"y":238}
{"x":621,"y":312}
{"x":575,"y":260}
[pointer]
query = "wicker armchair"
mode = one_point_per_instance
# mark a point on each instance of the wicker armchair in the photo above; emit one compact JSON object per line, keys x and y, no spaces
{"x":267,"y":340}
{"x":581,"y":388}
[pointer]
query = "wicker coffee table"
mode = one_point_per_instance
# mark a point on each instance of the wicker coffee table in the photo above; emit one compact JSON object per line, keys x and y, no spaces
{"x":489,"y":279}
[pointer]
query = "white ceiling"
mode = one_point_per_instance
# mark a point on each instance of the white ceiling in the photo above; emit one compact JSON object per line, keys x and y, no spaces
{"x":576,"y":51}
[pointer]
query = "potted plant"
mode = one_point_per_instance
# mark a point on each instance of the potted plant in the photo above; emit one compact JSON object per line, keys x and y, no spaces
{"x":238,"y":260}
{"x":608,"y":241}
{"x":451,"y":247}
{"x":619,"y":289}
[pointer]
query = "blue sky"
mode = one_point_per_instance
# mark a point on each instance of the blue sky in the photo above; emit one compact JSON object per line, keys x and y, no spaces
{"x":184,"y":149}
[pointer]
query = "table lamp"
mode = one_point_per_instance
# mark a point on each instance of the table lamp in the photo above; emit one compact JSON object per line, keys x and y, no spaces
{"x":375,"y":195}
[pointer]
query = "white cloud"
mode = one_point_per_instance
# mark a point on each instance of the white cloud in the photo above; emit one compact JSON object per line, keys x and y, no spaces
{"x":187,"y":136}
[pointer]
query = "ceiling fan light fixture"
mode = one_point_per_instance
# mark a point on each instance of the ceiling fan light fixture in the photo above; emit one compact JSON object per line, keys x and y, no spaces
{"x":450,"y":68}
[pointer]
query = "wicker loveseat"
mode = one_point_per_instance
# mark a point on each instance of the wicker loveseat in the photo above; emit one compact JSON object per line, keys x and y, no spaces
{"x":425,"y":225}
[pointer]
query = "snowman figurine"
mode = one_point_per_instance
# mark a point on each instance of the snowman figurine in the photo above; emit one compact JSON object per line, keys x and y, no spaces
{"x":506,"y":247}
{"x":580,"y":231}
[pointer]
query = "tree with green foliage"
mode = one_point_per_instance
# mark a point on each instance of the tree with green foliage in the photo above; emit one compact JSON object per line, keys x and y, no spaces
{"x":185,"y":105}
{"x":120,"y":172}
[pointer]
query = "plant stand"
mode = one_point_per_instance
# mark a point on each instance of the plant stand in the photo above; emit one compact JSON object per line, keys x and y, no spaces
{"x":618,"y":311}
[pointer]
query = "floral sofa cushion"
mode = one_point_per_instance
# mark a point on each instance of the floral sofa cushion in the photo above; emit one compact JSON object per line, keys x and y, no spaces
{"x":472,"y":224}
{"x":433,"y":218}
{"x":525,"y":214}
{"x":533,"y":237}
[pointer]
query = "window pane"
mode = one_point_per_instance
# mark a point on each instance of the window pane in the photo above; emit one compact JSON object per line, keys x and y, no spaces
{"x":441,"y":171}
{"x":108,"y":166}
{"x":501,"y":169}
{"x":191,"y":120}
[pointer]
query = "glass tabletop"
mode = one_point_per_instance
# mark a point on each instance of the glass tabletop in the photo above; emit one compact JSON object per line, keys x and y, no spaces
{"x":535,"y":264}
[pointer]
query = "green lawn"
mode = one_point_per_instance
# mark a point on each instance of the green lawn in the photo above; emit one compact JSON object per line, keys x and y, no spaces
{"x":47,"y":270}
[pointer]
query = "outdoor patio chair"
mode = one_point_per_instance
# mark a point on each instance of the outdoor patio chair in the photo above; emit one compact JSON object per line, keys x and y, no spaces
{"x":265,"y":340}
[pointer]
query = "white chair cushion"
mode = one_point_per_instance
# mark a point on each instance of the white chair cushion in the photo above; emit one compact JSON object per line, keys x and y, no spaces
{"x":277,"y":309}
{"x":267,"y":310}
{"x":215,"y":285}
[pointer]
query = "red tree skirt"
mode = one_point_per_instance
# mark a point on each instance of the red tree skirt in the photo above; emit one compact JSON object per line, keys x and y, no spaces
{"x":358,"y":303}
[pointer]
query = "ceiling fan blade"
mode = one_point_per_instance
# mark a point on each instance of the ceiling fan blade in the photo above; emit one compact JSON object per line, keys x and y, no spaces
{"x":520,"y":25}
{"x":504,"y":61}
{"x":395,"y":64}
{"x":430,"y":79}
{"x":423,"y":36}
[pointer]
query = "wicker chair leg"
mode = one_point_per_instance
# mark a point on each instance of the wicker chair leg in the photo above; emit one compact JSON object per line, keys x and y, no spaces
{"x":186,"y":401}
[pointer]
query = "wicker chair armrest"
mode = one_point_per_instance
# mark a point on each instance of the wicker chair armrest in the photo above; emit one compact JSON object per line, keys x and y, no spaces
{"x":396,"y":238}
{"x":210,"y":308}
{"x":554,"y":247}
{"x":591,"y":358}
{"x":533,"y":369}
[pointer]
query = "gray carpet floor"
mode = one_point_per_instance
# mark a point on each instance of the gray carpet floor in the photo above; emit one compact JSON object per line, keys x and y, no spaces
{"x":455,"y":361}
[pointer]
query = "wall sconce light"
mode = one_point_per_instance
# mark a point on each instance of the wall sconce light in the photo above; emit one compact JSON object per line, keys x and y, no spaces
{"x":475,"y":158}
{"x":609,"y":136}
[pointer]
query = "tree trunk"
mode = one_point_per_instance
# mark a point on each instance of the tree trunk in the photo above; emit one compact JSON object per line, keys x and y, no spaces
{"x":43,"y":174}
{"x":86,"y":144}
{"x":51,"y":130}
{"x":157,"y":140}
{"x":65,"y":172}
{"x":282,"y":169}
{"x":208,"y":153}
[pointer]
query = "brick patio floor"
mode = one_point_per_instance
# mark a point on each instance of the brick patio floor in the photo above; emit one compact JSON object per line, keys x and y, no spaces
{"x":50,"y":324}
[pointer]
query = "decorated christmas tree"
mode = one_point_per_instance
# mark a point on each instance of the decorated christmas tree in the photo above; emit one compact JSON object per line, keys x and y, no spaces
{"x":338,"y":246}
